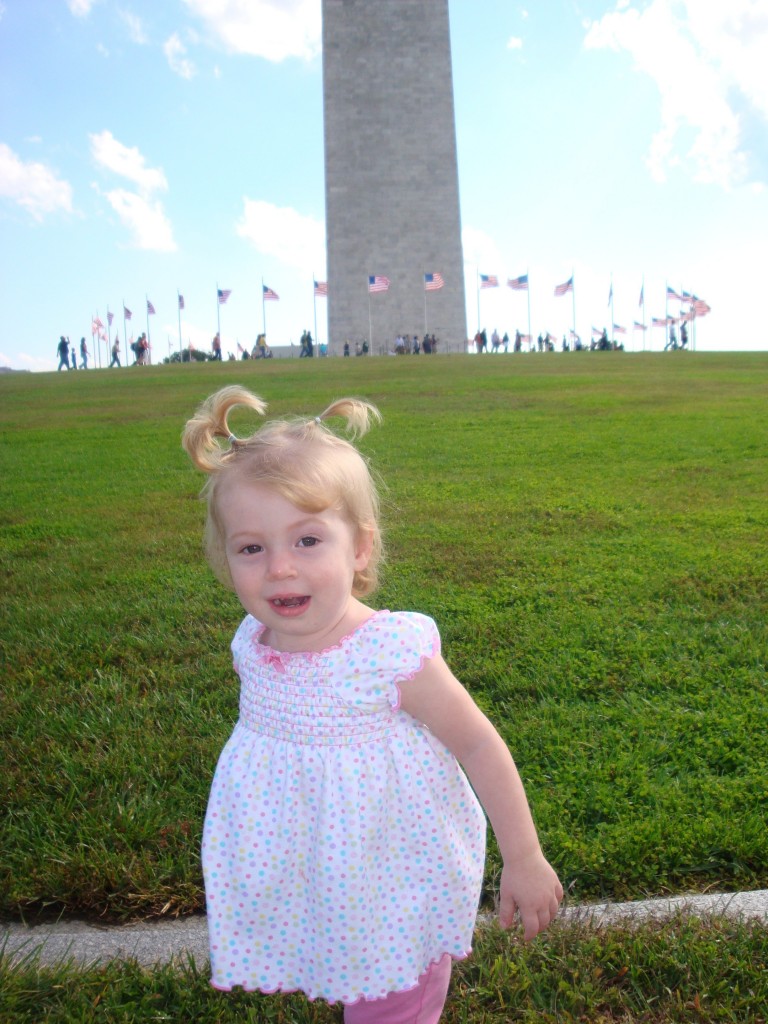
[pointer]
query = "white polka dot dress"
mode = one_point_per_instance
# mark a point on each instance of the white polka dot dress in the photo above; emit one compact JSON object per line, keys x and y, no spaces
{"x":343,"y":846}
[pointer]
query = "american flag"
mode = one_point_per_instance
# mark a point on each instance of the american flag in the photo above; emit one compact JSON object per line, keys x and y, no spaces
{"x":563,"y":289}
{"x":321,"y":287}
{"x":433,"y":282}
{"x":596,"y":332}
{"x":223,"y":294}
{"x":672,"y":294}
{"x":687,"y":317}
{"x":619,"y":330}
{"x":97,"y":323}
{"x":489,"y":281}
{"x":639,"y":327}
{"x":377,"y":283}
{"x":526,"y":339}
{"x":687,"y":297}
{"x":610,"y":294}
{"x":518,"y":284}
{"x":127,"y":313}
{"x":110,"y":318}
{"x":700,"y":307}
{"x":268,"y":294}
{"x":240,"y":348}
{"x":181,"y":301}
{"x":658,"y":321}
{"x":150,"y":309}
{"x":642,"y":295}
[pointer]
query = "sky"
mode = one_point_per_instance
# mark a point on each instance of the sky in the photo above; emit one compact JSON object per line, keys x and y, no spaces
{"x":154,"y":149}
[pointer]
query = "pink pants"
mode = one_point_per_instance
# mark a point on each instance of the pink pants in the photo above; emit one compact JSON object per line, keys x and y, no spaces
{"x":420,"y":1005}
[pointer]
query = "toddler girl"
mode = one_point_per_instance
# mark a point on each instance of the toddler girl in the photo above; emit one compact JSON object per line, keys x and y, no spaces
{"x":343,"y":845}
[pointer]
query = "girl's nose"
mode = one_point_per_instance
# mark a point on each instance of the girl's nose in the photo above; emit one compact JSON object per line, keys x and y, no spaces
{"x":281,"y":567}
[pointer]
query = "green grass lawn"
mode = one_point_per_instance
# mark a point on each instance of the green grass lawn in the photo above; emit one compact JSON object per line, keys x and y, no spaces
{"x":681,"y":972}
{"x":588,"y":530}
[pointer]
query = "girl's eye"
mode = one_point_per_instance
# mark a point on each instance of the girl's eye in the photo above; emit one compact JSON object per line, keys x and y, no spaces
{"x":252,"y":549}
{"x":308,"y":542}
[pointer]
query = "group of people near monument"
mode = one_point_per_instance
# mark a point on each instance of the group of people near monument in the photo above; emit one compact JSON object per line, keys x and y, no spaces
{"x":67,"y":353}
{"x":140,"y":349}
{"x":672,"y":342}
{"x":412,"y":346}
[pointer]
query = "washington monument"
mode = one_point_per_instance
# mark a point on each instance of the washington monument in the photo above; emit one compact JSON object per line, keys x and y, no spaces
{"x":391,"y":180}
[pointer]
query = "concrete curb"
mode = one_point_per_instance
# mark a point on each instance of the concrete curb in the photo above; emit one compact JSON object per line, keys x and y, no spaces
{"x":160,"y":942}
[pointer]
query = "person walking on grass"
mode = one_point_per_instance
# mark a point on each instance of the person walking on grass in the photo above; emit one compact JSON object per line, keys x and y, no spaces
{"x":62,"y":351}
{"x":343,"y":846}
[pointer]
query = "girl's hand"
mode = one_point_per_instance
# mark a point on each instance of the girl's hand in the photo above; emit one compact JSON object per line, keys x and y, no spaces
{"x":531,"y":888}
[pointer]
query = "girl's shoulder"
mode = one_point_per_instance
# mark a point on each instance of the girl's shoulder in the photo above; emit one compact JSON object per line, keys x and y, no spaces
{"x":248,"y":631}
{"x":397,"y":629}
{"x":395,"y":643}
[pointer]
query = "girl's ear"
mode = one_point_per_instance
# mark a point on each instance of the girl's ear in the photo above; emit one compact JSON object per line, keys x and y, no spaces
{"x":363,"y":549}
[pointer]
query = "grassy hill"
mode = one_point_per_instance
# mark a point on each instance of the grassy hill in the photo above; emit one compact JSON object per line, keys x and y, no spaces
{"x":588,"y":530}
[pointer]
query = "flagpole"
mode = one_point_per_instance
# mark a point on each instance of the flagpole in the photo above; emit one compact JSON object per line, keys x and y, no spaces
{"x":370,"y":320}
{"x":264,"y":312}
{"x":314,"y":309}
{"x":218,"y":312}
{"x":149,"y":336}
{"x":179,"y":305}
{"x":125,"y":335}
{"x":109,"y":337}
{"x":477,"y":286}
{"x":642,"y":293}
{"x":424,"y":286}
{"x":573,"y":297}
{"x":612,"y":313}
{"x":528,"y":289}
{"x":666,"y":314}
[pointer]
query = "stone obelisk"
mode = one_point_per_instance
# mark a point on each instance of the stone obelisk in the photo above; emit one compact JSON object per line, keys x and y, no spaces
{"x":391,"y":179}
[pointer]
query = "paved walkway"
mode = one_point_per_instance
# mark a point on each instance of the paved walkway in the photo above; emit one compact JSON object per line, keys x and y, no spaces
{"x":159,"y":942}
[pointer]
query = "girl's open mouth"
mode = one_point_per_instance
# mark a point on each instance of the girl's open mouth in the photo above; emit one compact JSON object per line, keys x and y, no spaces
{"x":289,"y":603}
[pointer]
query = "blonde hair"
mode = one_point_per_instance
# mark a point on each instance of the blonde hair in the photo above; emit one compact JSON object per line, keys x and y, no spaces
{"x":301,"y":458}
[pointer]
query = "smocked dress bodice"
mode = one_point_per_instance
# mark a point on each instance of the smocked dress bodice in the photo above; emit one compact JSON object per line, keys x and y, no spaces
{"x":343,"y":846}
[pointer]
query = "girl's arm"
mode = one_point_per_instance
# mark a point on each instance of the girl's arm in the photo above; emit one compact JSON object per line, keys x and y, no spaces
{"x":528,"y":883}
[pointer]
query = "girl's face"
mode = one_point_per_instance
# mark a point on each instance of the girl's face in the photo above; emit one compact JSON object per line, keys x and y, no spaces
{"x":291,"y":569}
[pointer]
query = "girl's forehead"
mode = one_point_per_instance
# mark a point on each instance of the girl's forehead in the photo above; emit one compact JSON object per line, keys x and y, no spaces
{"x":256,"y":495}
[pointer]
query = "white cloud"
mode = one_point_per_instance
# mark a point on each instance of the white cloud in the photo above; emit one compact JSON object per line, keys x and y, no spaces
{"x":294,"y":239}
{"x":24,"y":361}
{"x":32,"y":185}
{"x":80,"y":8}
{"x":141,"y":212}
{"x":708,"y":63}
{"x":481,"y":253}
{"x":135,"y":27}
{"x":514,"y":43}
{"x":272,"y":29}
{"x":145,"y":219}
{"x":127,"y":162}
{"x":175,"y":52}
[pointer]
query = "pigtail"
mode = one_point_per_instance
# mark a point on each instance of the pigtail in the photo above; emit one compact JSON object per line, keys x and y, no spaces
{"x":199,"y":438}
{"x":359,"y":415}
